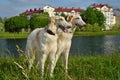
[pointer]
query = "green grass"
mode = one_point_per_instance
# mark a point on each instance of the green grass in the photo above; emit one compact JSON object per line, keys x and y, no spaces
{"x":24,"y":35}
{"x":105,"y":67}
{"x":13,"y":35}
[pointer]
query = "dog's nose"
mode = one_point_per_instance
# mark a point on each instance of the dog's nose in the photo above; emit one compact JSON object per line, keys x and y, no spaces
{"x":68,"y":27}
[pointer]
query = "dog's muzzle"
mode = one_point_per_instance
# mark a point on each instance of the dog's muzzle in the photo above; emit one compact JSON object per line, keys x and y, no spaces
{"x":68,"y":27}
{"x":80,"y":26}
{"x":62,"y":28}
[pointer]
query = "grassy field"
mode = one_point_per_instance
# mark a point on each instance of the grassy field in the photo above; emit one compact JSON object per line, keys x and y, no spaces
{"x":105,"y":67}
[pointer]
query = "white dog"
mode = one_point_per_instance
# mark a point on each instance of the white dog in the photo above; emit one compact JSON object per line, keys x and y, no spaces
{"x":42,"y":42}
{"x":64,"y":39}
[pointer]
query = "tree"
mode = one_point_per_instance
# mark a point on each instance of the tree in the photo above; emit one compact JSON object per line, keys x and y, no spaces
{"x":100,"y":17}
{"x":37,"y":21}
{"x":92,"y":16}
{"x":16,"y":23}
{"x":1,"y":20}
{"x":62,"y":14}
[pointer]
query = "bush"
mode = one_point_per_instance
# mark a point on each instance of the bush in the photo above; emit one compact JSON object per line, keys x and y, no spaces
{"x":16,"y":23}
{"x":40,"y":20}
{"x":93,"y":28}
{"x":1,"y":27}
{"x":116,"y":27}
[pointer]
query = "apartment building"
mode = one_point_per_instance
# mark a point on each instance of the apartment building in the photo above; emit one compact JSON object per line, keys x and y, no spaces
{"x":108,"y":13}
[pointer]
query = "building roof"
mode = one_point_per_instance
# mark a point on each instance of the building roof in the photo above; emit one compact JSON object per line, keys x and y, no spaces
{"x":59,"y":9}
{"x":100,"y":5}
{"x":29,"y":12}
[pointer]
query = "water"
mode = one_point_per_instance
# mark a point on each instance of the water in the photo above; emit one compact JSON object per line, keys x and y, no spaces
{"x":8,"y":46}
{"x":89,"y":45}
{"x":96,"y":45}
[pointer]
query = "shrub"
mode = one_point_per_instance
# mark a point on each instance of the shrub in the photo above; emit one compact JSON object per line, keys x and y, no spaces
{"x":116,"y":27}
{"x":16,"y":23}
{"x":40,"y":20}
{"x":93,"y":28}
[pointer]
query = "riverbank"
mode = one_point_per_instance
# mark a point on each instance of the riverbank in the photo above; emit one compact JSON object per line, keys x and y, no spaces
{"x":105,"y":67}
{"x":13,"y":35}
{"x":97,"y":33}
{"x":24,"y":35}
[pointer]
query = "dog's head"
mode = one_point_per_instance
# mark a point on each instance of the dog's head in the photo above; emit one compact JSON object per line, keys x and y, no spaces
{"x":76,"y":20}
{"x":62,"y":23}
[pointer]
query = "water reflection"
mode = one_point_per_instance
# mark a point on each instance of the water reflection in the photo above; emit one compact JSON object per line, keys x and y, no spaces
{"x":111,"y":43}
{"x":95,"y":45}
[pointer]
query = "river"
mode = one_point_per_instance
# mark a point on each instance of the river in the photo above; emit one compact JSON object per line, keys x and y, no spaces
{"x":81,"y":45}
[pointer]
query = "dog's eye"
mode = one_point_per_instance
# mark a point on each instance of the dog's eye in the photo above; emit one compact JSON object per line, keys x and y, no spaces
{"x":77,"y":18}
{"x":61,"y":19}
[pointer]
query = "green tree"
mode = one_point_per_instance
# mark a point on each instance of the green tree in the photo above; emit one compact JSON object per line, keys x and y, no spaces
{"x":1,"y":20}
{"x":62,"y":14}
{"x":100,"y":17}
{"x":37,"y":21}
{"x":16,"y":23}
{"x":92,"y":16}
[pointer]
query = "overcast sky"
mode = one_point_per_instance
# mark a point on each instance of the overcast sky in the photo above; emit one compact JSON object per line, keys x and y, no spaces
{"x":10,"y":8}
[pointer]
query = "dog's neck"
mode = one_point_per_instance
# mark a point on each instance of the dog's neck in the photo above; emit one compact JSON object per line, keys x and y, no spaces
{"x":50,"y":32}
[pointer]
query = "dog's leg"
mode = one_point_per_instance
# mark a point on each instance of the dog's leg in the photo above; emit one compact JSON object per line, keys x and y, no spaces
{"x":52,"y":62}
{"x":65,"y":60}
{"x":65,"y":56}
{"x":58,"y":53}
{"x":31,"y":59}
{"x":43,"y":57}
{"x":30,"y":56}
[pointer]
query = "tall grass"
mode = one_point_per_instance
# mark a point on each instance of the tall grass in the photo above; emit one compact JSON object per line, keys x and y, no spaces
{"x":105,"y":67}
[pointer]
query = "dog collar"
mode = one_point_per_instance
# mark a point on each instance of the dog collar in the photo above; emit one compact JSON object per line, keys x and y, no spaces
{"x":50,"y":32}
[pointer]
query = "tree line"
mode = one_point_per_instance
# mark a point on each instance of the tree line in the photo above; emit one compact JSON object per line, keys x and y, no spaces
{"x":14,"y":24}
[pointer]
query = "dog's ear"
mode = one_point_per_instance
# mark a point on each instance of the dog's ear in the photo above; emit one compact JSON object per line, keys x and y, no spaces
{"x":69,"y":18}
{"x":52,"y":20}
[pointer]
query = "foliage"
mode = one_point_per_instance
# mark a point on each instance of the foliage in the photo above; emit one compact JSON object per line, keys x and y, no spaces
{"x":106,"y":67}
{"x":16,"y":23}
{"x":92,"y":16}
{"x":1,"y":20}
{"x":1,"y":27}
{"x":62,"y":14}
{"x":116,"y":27}
{"x":92,"y":28}
{"x":40,"y":20}
{"x":100,"y":17}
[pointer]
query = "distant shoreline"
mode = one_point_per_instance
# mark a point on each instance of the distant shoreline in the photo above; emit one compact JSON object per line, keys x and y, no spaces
{"x":24,"y":35}
{"x":97,"y":33}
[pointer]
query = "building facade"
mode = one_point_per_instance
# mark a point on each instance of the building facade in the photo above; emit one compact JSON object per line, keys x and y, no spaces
{"x":108,"y":13}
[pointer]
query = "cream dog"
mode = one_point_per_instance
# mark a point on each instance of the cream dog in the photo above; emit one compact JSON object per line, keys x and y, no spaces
{"x":64,"y":39}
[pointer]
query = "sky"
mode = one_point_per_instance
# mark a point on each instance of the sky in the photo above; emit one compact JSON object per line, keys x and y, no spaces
{"x":9,"y":8}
